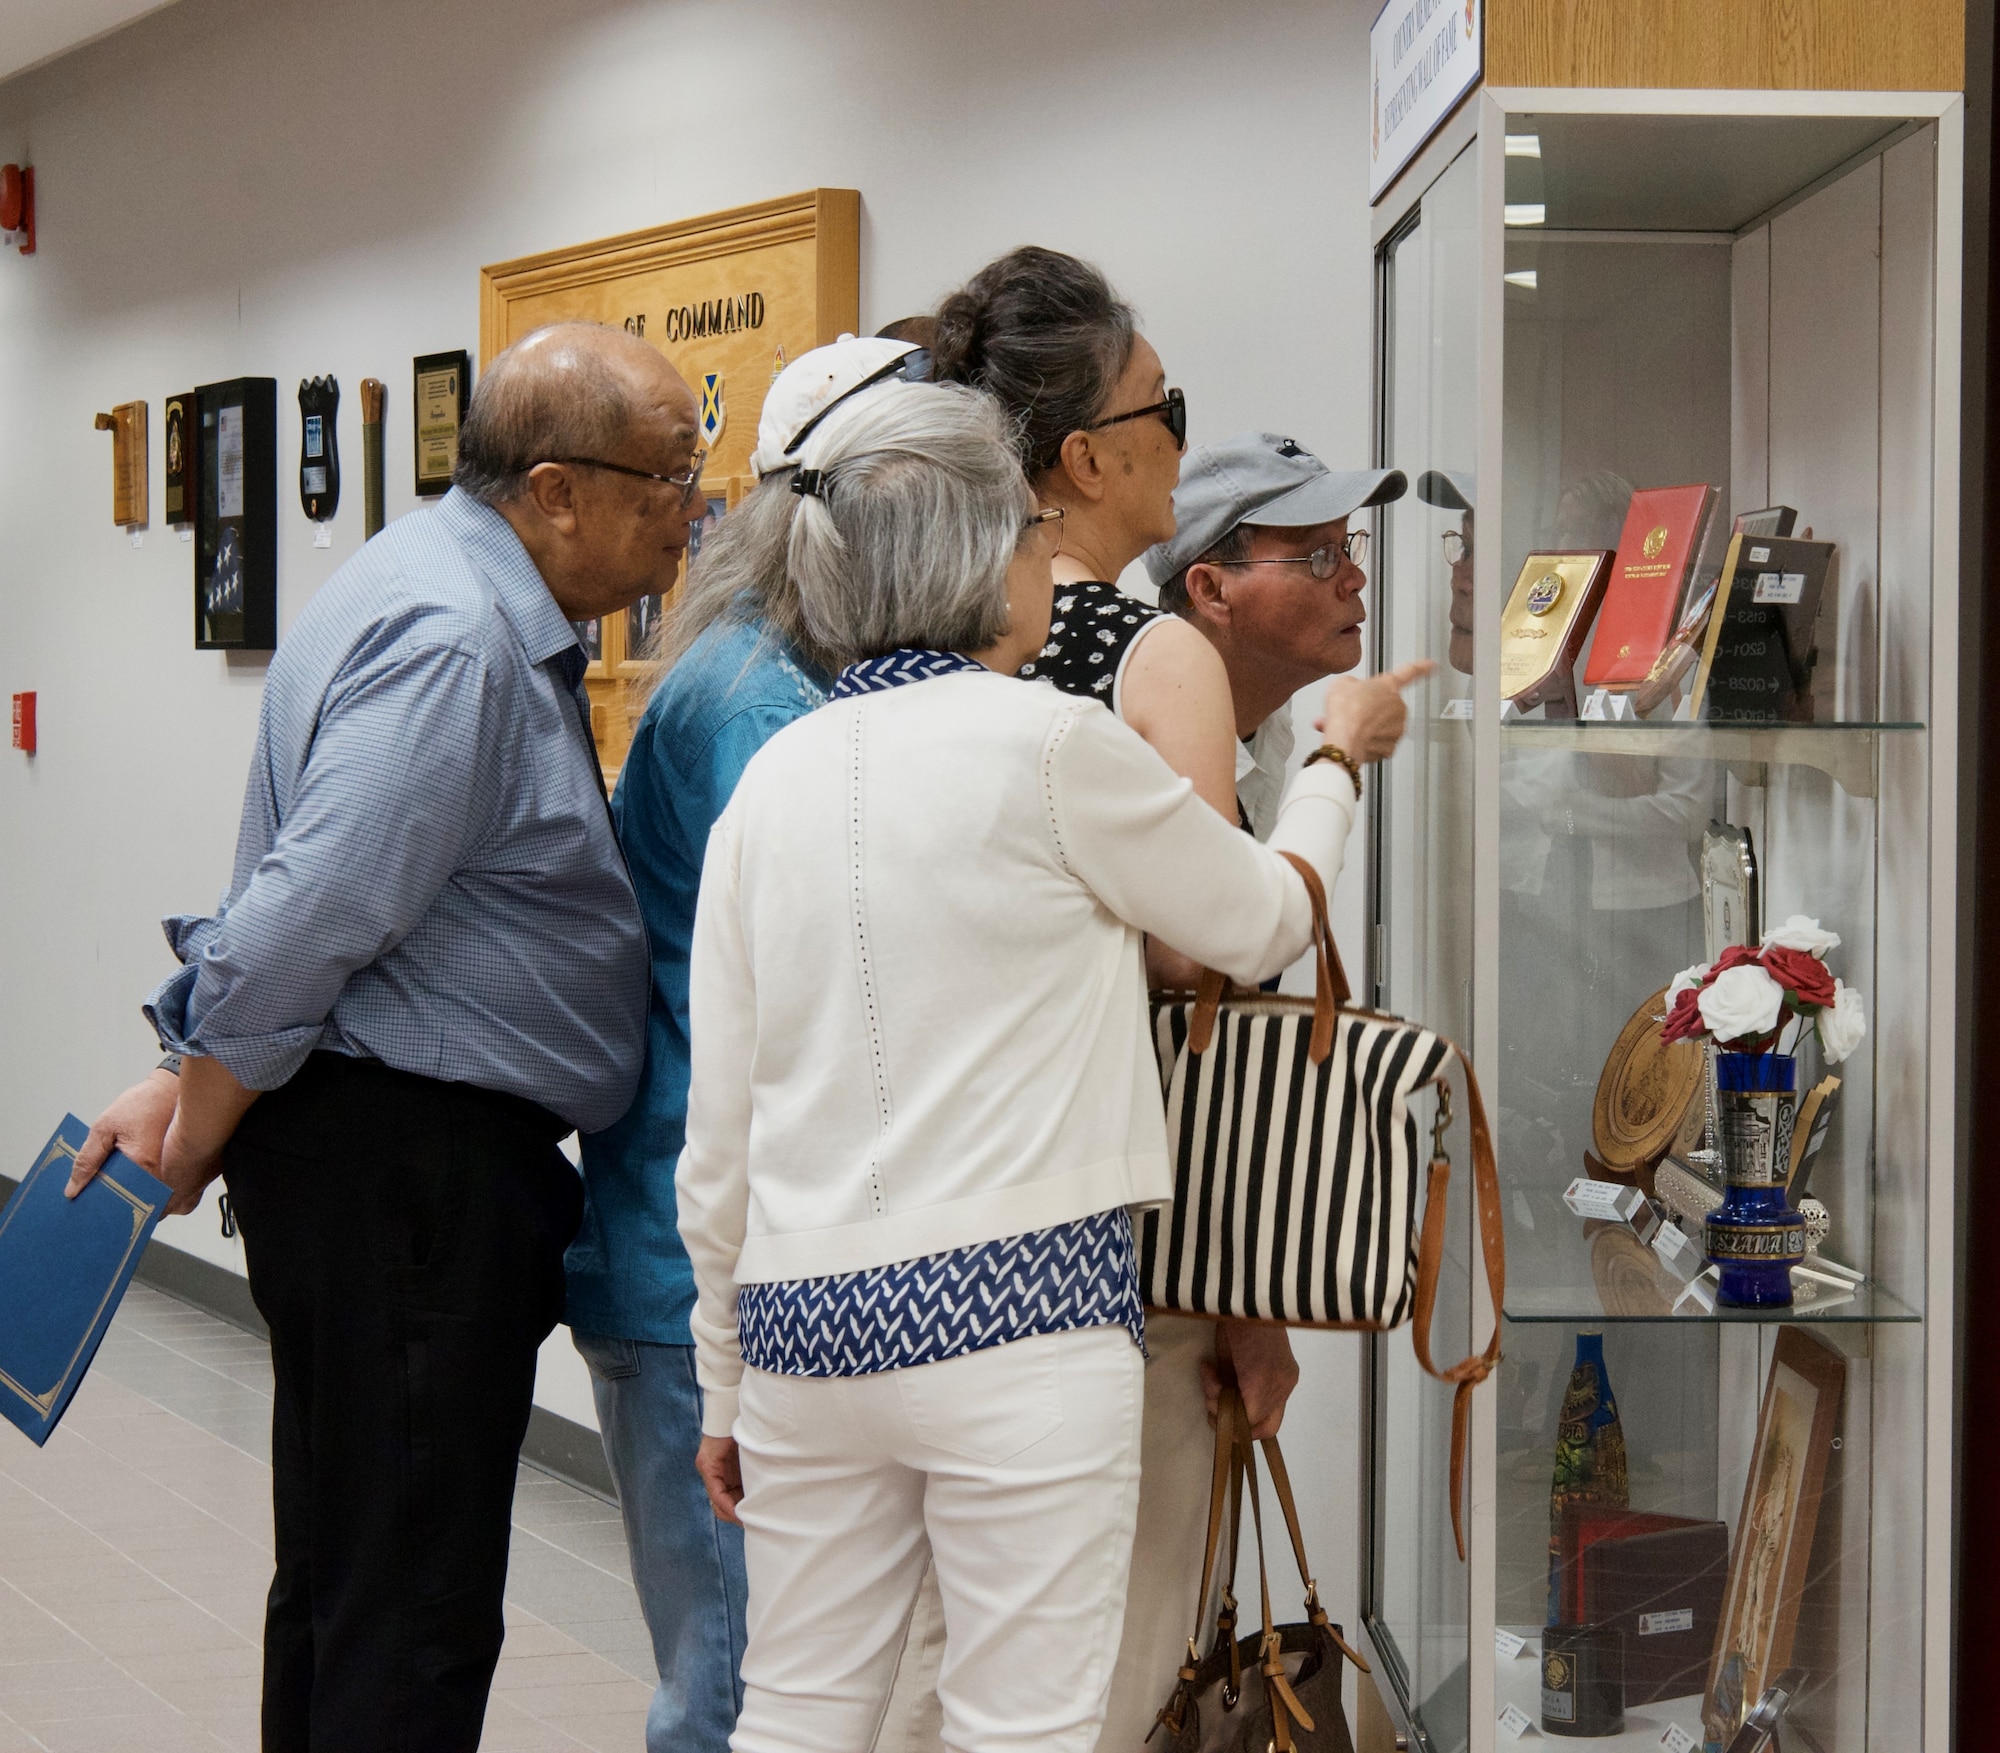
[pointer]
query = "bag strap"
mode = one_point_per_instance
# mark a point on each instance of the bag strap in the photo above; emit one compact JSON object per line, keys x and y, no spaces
{"x":1281,"y":1488}
{"x":1469,"y":1372}
{"x":1223,"y":1489}
{"x":1330,"y":989}
{"x":1284,"y":1702}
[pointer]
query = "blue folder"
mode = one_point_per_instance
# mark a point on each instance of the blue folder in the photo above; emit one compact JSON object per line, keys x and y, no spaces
{"x":64,"y":1266}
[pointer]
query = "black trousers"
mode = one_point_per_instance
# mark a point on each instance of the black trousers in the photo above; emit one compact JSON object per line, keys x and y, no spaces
{"x":405,"y":1241}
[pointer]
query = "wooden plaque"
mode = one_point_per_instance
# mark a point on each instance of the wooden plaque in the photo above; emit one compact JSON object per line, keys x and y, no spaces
{"x":1644,"y":1093}
{"x":129,"y":499}
{"x":730,"y":298}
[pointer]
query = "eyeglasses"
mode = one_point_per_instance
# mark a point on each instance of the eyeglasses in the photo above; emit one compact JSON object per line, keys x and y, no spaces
{"x":1325,"y":562}
{"x":1456,"y":547}
{"x":1046,"y":524}
{"x":911,"y":367}
{"x":688,"y":480}
{"x":1173,"y":411}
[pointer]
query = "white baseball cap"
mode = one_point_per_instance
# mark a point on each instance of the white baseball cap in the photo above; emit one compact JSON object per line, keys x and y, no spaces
{"x":815,"y":383}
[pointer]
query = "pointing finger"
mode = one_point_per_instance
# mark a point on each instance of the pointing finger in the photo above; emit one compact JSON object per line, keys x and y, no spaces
{"x":1404,"y":674}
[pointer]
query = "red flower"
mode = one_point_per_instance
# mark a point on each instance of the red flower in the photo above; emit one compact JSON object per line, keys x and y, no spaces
{"x":1684,"y":1020}
{"x":1737,"y":955}
{"x":1803,"y":977}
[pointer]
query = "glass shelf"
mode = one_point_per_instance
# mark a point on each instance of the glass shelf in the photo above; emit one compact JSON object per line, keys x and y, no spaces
{"x":1847,"y":753}
{"x":1580,"y":1305}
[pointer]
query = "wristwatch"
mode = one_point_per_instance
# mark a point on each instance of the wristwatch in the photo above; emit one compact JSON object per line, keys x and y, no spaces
{"x":172,"y":1063}
{"x":1340,"y":758}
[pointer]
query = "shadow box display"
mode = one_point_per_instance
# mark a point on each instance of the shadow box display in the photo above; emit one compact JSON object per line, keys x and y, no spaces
{"x":1673,"y":375}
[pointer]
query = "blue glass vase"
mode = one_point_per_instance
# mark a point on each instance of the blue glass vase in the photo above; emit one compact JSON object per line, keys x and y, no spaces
{"x":1754,"y":1238}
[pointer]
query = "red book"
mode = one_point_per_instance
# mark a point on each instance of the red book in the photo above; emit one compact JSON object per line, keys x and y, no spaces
{"x":1662,"y":534}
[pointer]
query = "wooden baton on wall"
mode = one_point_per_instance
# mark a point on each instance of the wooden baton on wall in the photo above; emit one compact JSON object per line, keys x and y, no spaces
{"x":373,"y":393}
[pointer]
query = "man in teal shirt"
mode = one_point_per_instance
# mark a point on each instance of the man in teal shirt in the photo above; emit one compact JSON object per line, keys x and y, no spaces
{"x":739,"y":668}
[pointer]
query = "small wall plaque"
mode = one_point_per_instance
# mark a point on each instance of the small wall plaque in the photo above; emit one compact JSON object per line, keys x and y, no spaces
{"x":127,"y":425}
{"x":442,"y":392}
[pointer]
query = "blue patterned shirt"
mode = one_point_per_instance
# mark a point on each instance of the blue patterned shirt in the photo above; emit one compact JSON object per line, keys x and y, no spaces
{"x":425,"y":872}
{"x":1084,"y":1273}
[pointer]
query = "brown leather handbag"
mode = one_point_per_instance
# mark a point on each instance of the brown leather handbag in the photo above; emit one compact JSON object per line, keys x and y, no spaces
{"x":1297,"y":1706}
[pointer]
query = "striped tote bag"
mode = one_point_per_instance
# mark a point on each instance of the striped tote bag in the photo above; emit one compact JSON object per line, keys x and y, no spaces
{"x":1297,"y":1172}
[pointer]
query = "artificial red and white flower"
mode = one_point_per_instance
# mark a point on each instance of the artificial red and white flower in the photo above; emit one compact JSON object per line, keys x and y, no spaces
{"x":1743,"y":1000}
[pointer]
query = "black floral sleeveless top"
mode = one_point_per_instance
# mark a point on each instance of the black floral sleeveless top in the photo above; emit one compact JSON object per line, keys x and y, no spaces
{"x":1091,"y":629}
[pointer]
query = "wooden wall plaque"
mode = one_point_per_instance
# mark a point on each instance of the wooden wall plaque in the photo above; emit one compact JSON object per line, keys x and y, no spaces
{"x":130,"y":501}
{"x":730,"y":298}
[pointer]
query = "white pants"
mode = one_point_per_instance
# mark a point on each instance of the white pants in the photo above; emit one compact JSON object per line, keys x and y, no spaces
{"x":1015,"y":1469}
{"x":1178,"y":1452}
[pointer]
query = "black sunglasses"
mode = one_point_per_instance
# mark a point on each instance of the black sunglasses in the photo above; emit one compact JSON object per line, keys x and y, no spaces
{"x":911,"y":367}
{"x":1173,"y":411}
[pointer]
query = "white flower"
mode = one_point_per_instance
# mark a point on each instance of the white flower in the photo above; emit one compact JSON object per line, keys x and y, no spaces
{"x":1842,"y":1023}
{"x":1801,"y":933}
{"x":1742,"y":1004}
{"x":1686,"y":981}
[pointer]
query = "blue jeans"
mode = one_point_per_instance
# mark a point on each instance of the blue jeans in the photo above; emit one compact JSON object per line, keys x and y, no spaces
{"x":687,"y":1566}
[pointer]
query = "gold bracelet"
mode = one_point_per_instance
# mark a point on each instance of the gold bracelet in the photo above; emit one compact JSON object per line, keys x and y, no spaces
{"x":1340,"y":758}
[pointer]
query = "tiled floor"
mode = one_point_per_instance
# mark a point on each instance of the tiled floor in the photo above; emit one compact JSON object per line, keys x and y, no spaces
{"x":135,"y":1550}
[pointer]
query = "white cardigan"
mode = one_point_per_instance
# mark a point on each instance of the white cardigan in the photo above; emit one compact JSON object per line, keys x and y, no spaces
{"x":917,"y":1000}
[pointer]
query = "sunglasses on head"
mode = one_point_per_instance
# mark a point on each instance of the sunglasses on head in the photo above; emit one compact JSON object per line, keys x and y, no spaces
{"x":1173,"y":412}
{"x":911,"y":367}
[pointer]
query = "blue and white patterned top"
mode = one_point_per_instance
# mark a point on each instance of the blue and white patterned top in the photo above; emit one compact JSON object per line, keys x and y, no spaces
{"x":426,"y":872}
{"x":1084,"y":1273}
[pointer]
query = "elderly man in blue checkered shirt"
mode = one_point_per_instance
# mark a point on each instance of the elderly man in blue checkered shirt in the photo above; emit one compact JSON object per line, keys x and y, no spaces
{"x":429,"y":967}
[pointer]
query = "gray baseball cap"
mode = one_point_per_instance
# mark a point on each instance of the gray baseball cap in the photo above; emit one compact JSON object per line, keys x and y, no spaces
{"x":1260,"y":478}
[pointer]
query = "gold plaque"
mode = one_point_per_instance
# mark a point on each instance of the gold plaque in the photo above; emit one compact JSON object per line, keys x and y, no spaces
{"x":1542,"y":628}
{"x":1644,"y":1093}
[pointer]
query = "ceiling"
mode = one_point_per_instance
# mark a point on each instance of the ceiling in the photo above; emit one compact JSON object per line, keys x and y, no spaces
{"x":34,"y":31}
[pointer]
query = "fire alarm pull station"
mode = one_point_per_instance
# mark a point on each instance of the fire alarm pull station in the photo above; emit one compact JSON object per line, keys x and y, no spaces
{"x":24,"y":723}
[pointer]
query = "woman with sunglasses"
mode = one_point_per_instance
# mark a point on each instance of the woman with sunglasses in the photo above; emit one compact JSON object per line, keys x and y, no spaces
{"x":1100,"y":437}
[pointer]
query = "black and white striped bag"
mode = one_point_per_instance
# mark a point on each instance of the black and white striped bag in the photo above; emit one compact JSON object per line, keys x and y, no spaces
{"x":1296,"y":1165}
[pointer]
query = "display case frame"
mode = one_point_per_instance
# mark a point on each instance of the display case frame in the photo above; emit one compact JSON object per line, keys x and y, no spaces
{"x":1910,"y":1337}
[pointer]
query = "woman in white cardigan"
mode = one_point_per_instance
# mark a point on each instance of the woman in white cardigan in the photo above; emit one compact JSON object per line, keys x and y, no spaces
{"x":924,"y":1099}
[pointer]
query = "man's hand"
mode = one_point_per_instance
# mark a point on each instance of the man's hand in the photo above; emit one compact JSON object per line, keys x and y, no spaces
{"x":1366,"y":718}
{"x":721,"y":1470}
{"x":135,"y":1123}
{"x":211,"y":1104}
{"x":1259,"y":1357}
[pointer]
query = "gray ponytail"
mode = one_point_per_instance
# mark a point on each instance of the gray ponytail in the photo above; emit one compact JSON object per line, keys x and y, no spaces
{"x":917,"y":511}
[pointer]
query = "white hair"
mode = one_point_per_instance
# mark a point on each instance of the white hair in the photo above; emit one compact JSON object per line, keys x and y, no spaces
{"x":918,"y":510}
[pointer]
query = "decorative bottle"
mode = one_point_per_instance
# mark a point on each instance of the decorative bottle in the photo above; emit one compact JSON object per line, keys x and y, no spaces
{"x":1590,"y":1452}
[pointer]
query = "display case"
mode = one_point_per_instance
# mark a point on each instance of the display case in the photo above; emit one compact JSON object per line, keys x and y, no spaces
{"x":1691,"y":1509}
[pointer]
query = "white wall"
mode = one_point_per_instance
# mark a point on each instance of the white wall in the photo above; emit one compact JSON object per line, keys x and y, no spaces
{"x":269,"y":187}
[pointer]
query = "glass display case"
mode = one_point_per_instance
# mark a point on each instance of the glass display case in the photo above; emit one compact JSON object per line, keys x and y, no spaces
{"x":1673,"y":376}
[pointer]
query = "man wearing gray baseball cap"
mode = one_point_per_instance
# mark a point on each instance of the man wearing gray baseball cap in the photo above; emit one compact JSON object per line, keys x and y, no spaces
{"x":1263,"y":563}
